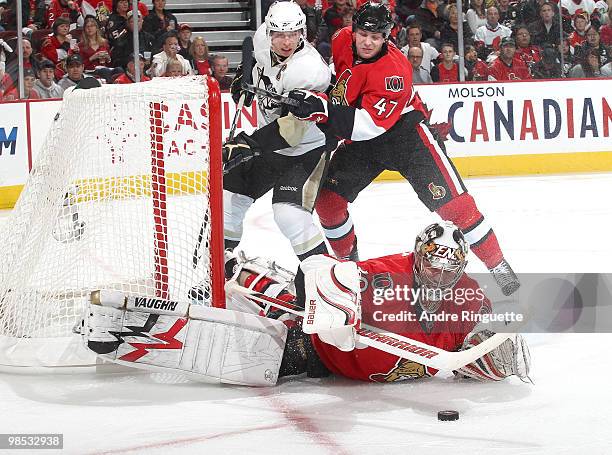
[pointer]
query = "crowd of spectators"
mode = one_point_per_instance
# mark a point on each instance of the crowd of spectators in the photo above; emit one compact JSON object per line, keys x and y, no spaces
{"x":502,"y":39}
{"x":65,"y":41}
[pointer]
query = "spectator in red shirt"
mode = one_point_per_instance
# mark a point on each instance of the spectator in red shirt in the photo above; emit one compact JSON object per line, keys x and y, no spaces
{"x":67,"y":9}
{"x":606,"y":31}
{"x":578,"y":36}
{"x":220,"y":65}
{"x":477,"y":69}
{"x":128,"y":77}
{"x":199,"y":56}
{"x":93,"y":47}
{"x":448,"y":70}
{"x":29,"y":93}
{"x":57,"y":45}
{"x":526,"y":51}
{"x":506,"y":67}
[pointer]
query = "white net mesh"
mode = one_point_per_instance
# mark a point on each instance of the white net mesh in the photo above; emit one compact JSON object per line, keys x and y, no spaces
{"x":116,"y":200}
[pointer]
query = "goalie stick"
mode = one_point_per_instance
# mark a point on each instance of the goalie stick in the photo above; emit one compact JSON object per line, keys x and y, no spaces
{"x":389,"y":342}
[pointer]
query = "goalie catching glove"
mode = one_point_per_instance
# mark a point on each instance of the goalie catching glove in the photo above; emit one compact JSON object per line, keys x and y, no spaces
{"x":240,"y":150}
{"x":312,"y":105}
{"x":509,"y":358}
{"x":333,"y":300}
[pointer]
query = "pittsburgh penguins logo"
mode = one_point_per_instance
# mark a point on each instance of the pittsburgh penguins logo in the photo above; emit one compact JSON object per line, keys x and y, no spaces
{"x":403,"y":370}
{"x":266,"y":105}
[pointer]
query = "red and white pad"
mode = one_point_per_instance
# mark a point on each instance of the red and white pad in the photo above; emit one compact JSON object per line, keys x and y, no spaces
{"x":208,"y":344}
{"x":509,"y":358}
{"x":333,"y":300}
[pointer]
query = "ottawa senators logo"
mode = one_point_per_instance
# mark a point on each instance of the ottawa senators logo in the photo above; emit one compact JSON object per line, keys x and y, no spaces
{"x":403,"y":370}
{"x":338,"y":94}
{"x":438,"y":192}
{"x":394,"y":83}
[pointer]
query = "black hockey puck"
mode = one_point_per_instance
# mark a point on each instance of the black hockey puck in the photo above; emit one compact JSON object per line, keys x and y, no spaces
{"x":448,"y":415}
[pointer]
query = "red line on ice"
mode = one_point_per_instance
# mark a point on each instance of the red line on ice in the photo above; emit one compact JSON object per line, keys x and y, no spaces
{"x":195,"y":439}
{"x":304,"y":423}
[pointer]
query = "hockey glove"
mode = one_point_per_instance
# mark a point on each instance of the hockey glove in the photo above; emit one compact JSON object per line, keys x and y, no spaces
{"x":509,"y":358}
{"x":333,"y":300}
{"x":236,"y":89}
{"x":239,"y":151}
{"x":312,"y":107}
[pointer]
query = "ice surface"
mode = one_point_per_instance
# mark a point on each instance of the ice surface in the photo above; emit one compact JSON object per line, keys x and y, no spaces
{"x":545,"y":224}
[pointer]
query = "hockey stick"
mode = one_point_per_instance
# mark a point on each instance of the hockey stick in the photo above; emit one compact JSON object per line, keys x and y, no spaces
{"x":389,"y":342}
{"x":247,"y":69}
{"x":268,"y":94}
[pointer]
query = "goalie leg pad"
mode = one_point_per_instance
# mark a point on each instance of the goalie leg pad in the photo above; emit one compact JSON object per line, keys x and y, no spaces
{"x":211,"y":344}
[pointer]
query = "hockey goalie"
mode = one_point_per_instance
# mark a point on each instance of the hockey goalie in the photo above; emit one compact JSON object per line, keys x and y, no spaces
{"x":276,"y":324}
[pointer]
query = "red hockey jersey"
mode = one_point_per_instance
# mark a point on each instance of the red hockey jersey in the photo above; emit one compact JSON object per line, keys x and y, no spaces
{"x":499,"y":71}
{"x":395,"y":272}
{"x":380,"y":89}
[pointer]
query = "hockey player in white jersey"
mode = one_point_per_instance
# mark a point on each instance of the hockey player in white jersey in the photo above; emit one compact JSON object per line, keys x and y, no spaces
{"x":284,"y":61}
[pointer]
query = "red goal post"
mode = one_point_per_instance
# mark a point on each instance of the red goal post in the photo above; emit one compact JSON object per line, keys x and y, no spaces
{"x":127,"y":186}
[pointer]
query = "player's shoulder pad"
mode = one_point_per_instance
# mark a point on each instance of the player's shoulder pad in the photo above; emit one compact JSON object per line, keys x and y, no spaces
{"x":393,"y":263}
{"x":343,"y":36}
{"x":261,"y":47}
{"x":307,"y":70}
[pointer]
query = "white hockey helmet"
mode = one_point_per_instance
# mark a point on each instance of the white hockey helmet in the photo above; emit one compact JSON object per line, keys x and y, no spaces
{"x":285,"y":16}
{"x":440,"y":254}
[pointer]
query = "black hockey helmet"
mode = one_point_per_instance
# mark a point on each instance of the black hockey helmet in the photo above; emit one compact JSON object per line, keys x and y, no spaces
{"x":373,"y":17}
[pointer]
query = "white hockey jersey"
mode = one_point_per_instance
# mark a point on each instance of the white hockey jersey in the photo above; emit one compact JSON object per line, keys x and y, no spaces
{"x":490,"y":35}
{"x":305,"y":69}
{"x":572,"y":7}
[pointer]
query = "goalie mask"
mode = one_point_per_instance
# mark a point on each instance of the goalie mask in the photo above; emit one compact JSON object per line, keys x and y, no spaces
{"x":285,"y":16}
{"x":439,"y":261}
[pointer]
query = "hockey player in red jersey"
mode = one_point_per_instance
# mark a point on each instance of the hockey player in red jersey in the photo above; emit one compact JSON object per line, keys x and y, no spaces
{"x":400,"y":293}
{"x":410,"y":294}
{"x":374,"y":105}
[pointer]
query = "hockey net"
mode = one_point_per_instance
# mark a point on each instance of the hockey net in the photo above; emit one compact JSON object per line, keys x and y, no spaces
{"x":125,"y":195}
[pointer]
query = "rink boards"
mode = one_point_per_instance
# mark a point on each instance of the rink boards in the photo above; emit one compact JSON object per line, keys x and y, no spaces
{"x":509,"y":128}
